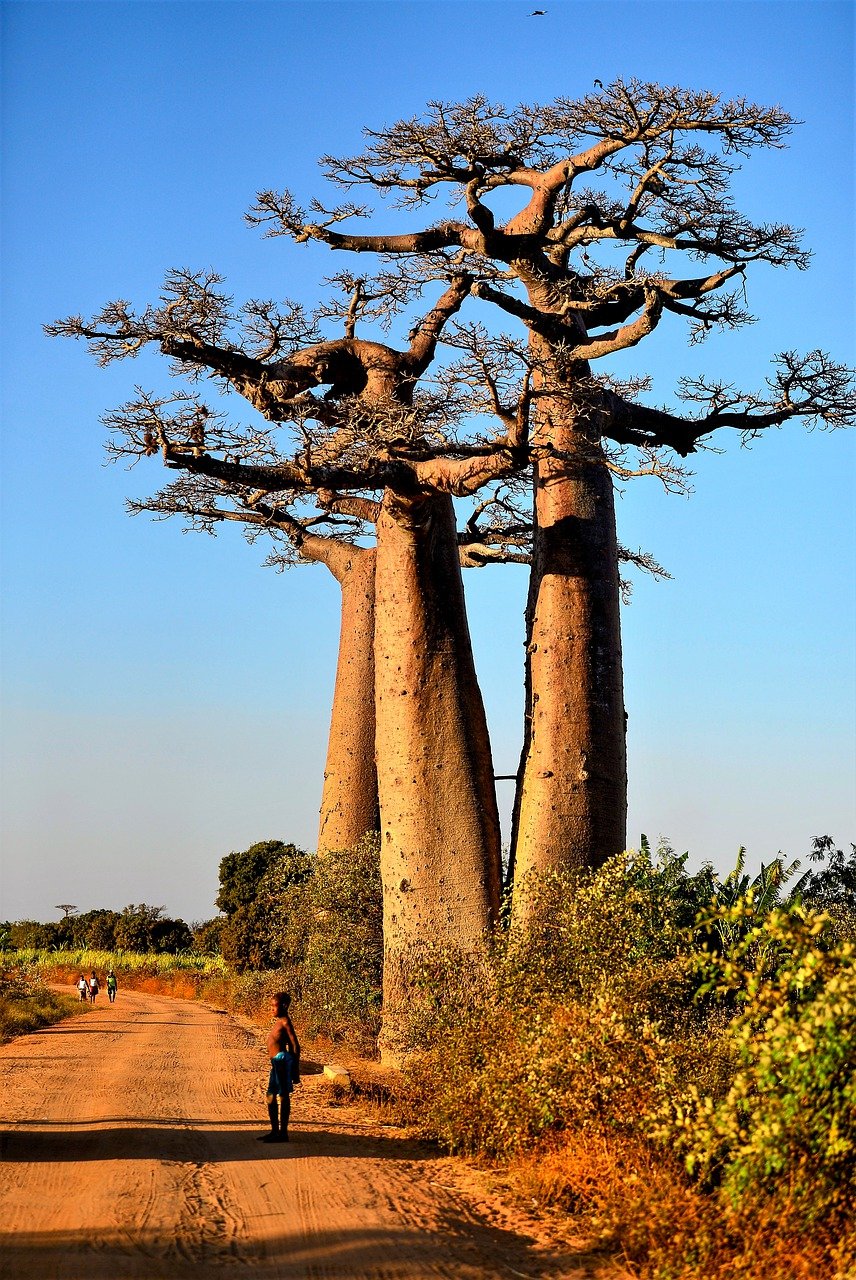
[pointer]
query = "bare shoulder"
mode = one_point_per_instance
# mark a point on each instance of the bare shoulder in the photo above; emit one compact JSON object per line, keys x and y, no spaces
{"x":291,"y":1034}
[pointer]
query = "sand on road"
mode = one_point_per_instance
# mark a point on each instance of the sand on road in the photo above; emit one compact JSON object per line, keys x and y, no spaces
{"x":129,"y":1150}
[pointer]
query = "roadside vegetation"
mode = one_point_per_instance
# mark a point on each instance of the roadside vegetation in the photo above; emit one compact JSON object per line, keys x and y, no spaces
{"x":26,"y":1004}
{"x":667,"y":1057}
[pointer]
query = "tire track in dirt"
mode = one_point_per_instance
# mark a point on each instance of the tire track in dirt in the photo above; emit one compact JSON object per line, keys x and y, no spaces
{"x":129,"y":1153}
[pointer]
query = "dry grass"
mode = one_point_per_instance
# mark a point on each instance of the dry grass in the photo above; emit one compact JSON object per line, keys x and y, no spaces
{"x":637,"y":1201}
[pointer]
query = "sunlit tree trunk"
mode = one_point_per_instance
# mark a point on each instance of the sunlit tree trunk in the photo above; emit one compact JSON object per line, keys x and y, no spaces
{"x":572,"y":790}
{"x":349,"y":803}
{"x":440,"y":843}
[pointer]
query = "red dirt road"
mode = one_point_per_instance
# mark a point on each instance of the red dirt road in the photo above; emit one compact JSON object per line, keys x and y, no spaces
{"x":128,"y":1150}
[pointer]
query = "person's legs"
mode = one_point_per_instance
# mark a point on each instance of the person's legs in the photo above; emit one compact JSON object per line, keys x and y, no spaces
{"x":285,"y":1106}
{"x":273,"y":1136}
{"x":271,"y":1106}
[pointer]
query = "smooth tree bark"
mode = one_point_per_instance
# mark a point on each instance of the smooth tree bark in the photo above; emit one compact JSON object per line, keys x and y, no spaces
{"x":571,"y":800}
{"x":349,"y":800}
{"x":440,"y":825}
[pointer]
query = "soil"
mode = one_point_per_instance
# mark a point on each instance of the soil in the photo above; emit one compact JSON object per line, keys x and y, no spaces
{"x":129,"y":1150}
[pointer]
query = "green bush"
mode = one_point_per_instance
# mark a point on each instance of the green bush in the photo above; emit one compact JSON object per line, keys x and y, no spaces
{"x":330,"y":932}
{"x":649,"y":1017}
{"x":254,"y":885}
{"x":785,"y":1129}
{"x":315,"y":930}
{"x":26,"y":1004}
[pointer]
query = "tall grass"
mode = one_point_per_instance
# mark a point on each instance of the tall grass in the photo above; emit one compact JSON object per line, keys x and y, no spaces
{"x":131,"y":963}
{"x":186,"y":976}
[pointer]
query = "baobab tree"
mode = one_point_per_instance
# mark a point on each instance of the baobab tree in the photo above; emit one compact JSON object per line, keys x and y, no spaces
{"x":587,"y":271}
{"x":495,"y":533}
{"x":329,"y":537}
{"x":367,"y":434}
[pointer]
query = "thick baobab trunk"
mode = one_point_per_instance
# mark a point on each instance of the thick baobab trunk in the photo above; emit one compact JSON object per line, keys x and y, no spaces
{"x":440,"y":842}
{"x":572,"y":802}
{"x":349,"y":805}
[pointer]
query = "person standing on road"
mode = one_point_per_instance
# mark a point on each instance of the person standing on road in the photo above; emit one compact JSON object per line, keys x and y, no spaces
{"x":93,"y":987}
{"x":83,"y":988}
{"x":112,"y":985}
{"x":284,"y":1053}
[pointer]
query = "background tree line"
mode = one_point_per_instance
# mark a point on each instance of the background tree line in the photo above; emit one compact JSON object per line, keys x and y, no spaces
{"x":138,"y":928}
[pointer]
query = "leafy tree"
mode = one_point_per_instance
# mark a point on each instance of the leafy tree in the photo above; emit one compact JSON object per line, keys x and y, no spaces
{"x":96,"y":930}
{"x":145,"y":928}
{"x":834,"y":883}
{"x":170,"y":936}
{"x":27,"y":934}
{"x":831,"y":885}
{"x":251,"y":883}
{"x":206,"y":936}
{"x":241,"y":873}
{"x":138,"y":928}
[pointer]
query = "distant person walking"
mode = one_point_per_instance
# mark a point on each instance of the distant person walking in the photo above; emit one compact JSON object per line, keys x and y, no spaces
{"x":93,"y":987}
{"x":284,"y":1053}
{"x":112,"y":985}
{"x":83,"y":988}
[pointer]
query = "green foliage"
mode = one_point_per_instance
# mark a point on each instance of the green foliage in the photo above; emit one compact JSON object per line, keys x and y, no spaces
{"x":314,"y":922}
{"x":138,"y":928}
{"x":242,"y":873}
{"x":786,"y":1127}
{"x":29,"y":934}
{"x":831,"y":886}
{"x":585,"y":1018}
{"x":338,"y":912}
{"x":144,"y":928}
{"x":26,"y":1004}
{"x":207,"y":937}
{"x":656,"y":1015}
{"x":252,"y":885}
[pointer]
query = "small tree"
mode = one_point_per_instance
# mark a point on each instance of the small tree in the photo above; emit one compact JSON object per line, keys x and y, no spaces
{"x":144,"y":928}
{"x":207,"y":935}
{"x":250,"y":885}
{"x":241,"y":873}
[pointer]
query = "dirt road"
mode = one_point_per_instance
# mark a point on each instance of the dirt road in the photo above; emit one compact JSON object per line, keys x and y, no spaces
{"x":129,"y":1150}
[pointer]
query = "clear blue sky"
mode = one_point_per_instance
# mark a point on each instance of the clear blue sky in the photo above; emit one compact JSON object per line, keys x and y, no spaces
{"x":165,"y":699}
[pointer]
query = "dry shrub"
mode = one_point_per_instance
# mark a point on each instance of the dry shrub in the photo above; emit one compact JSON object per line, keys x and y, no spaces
{"x":633,"y":1198}
{"x":638,"y":1201}
{"x":176,"y":986}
